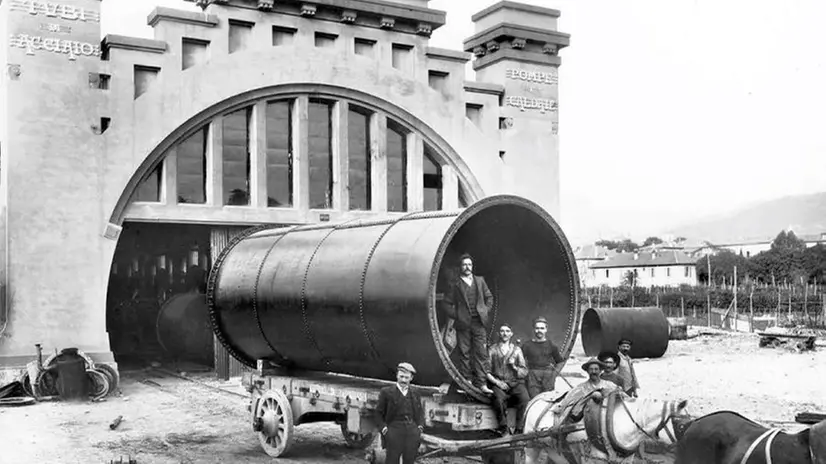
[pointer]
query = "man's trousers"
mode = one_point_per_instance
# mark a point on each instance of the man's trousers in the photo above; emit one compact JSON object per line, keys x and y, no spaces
{"x":402,"y":441}
{"x":473,"y":352}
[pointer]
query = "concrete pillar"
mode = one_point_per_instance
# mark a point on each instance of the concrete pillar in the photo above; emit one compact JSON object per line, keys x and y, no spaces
{"x":516,"y":46}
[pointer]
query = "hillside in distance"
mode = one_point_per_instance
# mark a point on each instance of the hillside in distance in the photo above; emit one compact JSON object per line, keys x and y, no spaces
{"x":804,"y":214}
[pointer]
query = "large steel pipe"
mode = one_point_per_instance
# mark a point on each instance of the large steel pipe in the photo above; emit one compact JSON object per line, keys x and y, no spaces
{"x":361,"y":296}
{"x":647,"y":328}
{"x":183,"y":328}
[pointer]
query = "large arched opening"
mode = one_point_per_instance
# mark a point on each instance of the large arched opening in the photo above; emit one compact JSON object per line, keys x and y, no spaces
{"x":293,"y":154}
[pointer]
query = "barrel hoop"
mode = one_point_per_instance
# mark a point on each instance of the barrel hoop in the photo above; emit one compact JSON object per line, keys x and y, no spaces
{"x":307,"y":332}
{"x":362,"y":320}
{"x":255,"y":290}
{"x":212,"y":281}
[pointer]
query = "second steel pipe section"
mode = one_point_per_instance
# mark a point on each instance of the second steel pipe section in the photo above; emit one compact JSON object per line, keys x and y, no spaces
{"x":361,"y":296}
{"x":647,"y":328}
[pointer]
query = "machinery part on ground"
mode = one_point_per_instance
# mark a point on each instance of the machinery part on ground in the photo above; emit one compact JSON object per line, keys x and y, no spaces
{"x":50,"y":360}
{"x":356,"y":440}
{"x":72,"y":382}
{"x":16,"y":401}
{"x":111,"y":374}
{"x":677,"y":328}
{"x":647,"y":328}
{"x":183,"y":328}
{"x":273,"y":420}
{"x":98,"y":384}
{"x":46,"y":384}
{"x":361,"y":296}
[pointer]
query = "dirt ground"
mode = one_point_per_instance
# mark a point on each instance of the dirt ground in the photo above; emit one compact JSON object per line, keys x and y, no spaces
{"x":170,"y":420}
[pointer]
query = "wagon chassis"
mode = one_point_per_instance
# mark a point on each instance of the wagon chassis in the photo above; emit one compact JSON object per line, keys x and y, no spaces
{"x":281,"y":400}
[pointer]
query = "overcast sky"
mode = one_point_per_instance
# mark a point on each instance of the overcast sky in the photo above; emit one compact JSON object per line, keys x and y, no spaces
{"x":669,"y":110}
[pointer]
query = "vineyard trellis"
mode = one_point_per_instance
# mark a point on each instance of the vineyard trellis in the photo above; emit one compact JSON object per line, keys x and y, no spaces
{"x":798,"y":304}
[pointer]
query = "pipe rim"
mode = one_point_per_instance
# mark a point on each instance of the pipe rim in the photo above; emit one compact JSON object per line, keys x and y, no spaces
{"x":574,"y":314}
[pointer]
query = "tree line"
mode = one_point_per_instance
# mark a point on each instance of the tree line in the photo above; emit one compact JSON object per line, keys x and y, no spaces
{"x":787,"y":263}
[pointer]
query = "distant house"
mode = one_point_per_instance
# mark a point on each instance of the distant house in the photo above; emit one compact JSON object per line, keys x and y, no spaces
{"x":586,"y":256}
{"x":749,"y":248}
{"x":657,"y":268}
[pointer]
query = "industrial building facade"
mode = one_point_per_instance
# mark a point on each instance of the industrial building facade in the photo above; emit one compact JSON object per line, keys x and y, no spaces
{"x":128,"y":163}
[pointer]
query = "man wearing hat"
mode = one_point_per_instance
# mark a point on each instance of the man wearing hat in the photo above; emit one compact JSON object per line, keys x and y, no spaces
{"x":543,"y":359}
{"x":626,"y":368}
{"x":400,"y":417}
{"x":574,"y":402}
{"x":611,"y":361}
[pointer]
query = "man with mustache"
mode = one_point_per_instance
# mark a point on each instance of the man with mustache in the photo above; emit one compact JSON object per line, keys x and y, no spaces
{"x":468,"y":301}
{"x":400,"y":417}
{"x":626,"y":368}
{"x":543,"y":359}
{"x":507,"y":374}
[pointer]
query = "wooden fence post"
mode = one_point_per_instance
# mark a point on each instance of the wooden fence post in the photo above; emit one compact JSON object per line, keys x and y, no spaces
{"x":751,"y":310}
{"x":708,"y":296}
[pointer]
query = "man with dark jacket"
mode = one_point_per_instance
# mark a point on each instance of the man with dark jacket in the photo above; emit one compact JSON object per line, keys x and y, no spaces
{"x":400,"y":417}
{"x":468,"y":300}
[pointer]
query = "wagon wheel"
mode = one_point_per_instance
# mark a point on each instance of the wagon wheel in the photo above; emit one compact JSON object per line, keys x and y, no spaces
{"x":98,"y":384}
{"x":356,"y":440}
{"x":275,"y":415}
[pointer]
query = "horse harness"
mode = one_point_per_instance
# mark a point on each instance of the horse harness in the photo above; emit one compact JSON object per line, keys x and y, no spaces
{"x":771,"y":433}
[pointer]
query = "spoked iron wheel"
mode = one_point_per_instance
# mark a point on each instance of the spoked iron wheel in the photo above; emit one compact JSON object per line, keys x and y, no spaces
{"x":356,"y":440}
{"x":275,"y":416}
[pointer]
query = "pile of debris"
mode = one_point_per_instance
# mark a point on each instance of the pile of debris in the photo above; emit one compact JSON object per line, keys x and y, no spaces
{"x":68,"y":375}
{"x":797,"y":339}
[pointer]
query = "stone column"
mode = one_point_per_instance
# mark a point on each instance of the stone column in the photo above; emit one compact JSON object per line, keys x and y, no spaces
{"x":516,"y":45}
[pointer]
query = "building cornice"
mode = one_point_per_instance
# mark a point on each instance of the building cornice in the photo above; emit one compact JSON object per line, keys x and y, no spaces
{"x":484,"y":88}
{"x":448,"y":55}
{"x":536,"y":10}
{"x":518,"y":56}
{"x":508,"y":31}
{"x":133,"y":43}
{"x":367,"y":13}
{"x":162,"y":13}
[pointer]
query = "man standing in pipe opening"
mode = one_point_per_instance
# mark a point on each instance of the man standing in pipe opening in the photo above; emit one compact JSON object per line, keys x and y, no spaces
{"x":507,"y":374}
{"x":611,"y":361}
{"x":468,"y":300}
{"x":543,"y":359}
{"x":400,"y":417}
{"x":626,"y":368}
{"x":570,"y":408}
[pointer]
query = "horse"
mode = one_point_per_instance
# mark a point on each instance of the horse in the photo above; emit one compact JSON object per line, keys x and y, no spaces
{"x":626,"y":423}
{"x":726,"y":437}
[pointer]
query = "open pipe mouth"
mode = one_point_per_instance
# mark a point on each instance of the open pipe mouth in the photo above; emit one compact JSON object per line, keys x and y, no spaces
{"x":359,"y":297}
{"x":527,"y":263}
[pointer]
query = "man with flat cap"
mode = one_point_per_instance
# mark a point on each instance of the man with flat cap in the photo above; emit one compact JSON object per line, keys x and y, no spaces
{"x":543,"y":359}
{"x":572,"y":405}
{"x":400,"y":417}
{"x":626,"y":368}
